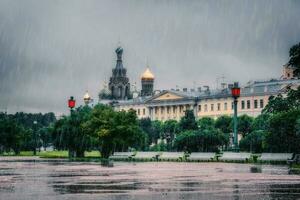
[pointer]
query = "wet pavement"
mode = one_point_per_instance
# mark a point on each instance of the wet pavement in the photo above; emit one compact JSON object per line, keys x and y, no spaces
{"x":58,"y":179}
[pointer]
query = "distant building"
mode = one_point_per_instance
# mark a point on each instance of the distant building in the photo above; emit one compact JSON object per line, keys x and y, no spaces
{"x":119,"y":85}
{"x":288,"y":72}
{"x":147,"y":81}
{"x":172,"y":104}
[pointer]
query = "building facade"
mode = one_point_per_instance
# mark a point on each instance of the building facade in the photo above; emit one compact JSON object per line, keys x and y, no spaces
{"x":171,"y":104}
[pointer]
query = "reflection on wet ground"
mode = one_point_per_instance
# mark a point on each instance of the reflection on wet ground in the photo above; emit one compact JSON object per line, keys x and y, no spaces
{"x":78,"y":180}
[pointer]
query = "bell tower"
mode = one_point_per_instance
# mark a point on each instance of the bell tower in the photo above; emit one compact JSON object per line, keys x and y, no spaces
{"x":119,"y":85}
{"x":147,"y":80}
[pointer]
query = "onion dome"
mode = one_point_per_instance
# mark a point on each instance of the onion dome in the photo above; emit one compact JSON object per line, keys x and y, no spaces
{"x":86,"y":97}
{"x":147,"y":75}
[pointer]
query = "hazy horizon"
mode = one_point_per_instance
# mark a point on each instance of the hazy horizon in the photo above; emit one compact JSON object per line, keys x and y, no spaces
{"x":53,"y":49}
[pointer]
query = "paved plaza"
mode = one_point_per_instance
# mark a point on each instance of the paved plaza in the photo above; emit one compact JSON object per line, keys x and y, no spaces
{"x":38,"y":179}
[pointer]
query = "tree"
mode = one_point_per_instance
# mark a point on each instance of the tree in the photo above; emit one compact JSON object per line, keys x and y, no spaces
{"x":206,"y":123}
{"x":188,"y":121}
{"x":261,"y":122}
{"x":224,"y":124}
{"x":282,"y":104}
{"x":282,"y":134}
{"x":68,"y":133}
{"x":114,"y":130}
{"x":244,"y":124}
{"x":11,"y":135}
{"x":157,"y":128}
{"x":200,"y":140}
{"x":45,"y":136}
{"x":253,"y":142}
{"x":146,"y":126}
{"x":295,"y":58}
{"x":170,"y":129}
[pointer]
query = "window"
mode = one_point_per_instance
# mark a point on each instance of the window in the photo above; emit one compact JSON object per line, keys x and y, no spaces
{"x":180,"y":109}
{"x":243,"y":105}
{"x":219,"y":107}
{"x":248,"y":104}
{"x":174,"y":109}
{"x":168,"y":109}
{"x":138,"y":111}
{"x":144,"y":111}
{"x":261,"y":103}
{"x":156,"y":110}
{"x":255,"y":103}
{"x":205,"y":108}
{"x":162,"y":109}
{"x":232,"y":105}
{"x":199,"y":108}
{"x":187,"y":107}
{"x":225,"y":106}
{"x":212,"y":107}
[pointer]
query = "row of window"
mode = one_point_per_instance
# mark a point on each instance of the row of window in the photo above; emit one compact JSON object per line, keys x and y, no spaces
{"x":243,"y":103}
{"x":212,"y":107}
{"x":255,"y":104}
{"x":174,"y":109}
{"x":139,"y":111}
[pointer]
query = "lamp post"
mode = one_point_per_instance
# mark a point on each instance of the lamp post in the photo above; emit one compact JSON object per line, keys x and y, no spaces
{"x":71,"y":103}
{"x":235,"y":92}
{"x":35,"y":136}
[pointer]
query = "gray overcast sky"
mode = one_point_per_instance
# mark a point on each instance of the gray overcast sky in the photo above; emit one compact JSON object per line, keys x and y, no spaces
{"x":52,"y":49}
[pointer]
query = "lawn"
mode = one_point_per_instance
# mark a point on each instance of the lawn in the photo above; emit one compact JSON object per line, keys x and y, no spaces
{"x":53,"y":154}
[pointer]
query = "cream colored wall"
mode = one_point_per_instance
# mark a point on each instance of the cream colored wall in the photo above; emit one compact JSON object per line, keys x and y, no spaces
{"x":138,"y":108}
{"x":254,"y":112}
{"x":209,"y":113}
{"x":217,"y":113}
{"x":163,"y":116}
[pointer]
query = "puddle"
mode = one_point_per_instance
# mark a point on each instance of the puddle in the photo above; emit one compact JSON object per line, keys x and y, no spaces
{"x":176,"y":181}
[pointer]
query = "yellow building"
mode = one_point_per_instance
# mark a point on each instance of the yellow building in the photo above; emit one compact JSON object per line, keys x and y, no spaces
{"x":171,"y":104}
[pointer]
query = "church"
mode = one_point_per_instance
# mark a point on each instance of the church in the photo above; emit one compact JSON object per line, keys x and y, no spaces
{"x":204,"y":102}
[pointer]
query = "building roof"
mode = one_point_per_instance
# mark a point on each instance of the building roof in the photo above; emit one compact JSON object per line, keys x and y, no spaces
{"x":256,"y":88}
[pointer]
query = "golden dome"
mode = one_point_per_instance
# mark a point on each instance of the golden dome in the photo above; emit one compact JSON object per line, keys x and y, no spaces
{"x":86,"y":96}
{"x":147,"y":74}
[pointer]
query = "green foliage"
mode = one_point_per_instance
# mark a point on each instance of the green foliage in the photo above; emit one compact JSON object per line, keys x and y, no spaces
{"x":206,"y":140}
{"x":188,"y":122}
{"x":224,"y":123}
{"x":169,"y":130}
{"x":282,"y":104}
{"x":206,"y":123}
{"x":295,"y":58}
{"x":282,"y":134}
{"x":245,"y":124}
{"x":114,"y":130}
{"x":68,"y":134}
{"x":253,"y":142}
{"x":161,"y":146}
{"x":152,"y":129}
{"x":11,"y":135}
{"x":261,"y":122}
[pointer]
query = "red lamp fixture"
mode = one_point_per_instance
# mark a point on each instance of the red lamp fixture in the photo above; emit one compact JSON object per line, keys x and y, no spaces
{"x":235,"y":90}
{"x":71,"y":102}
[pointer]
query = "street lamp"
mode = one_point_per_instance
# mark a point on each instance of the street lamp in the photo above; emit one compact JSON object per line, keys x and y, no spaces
{"x":35,"y":136}
{"x":235,"y":92}
{"x":71,"y":102}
